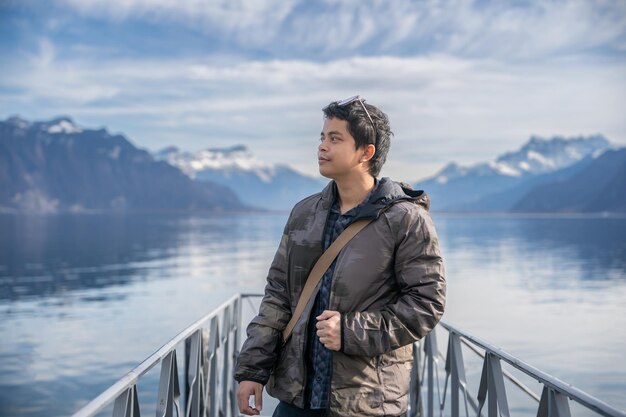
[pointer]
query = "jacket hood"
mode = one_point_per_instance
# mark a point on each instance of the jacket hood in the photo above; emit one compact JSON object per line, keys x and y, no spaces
{"x":387,"y":193}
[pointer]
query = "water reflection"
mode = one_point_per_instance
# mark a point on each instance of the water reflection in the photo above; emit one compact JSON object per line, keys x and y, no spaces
{"x":593,"y":246}
{"x":48,"y":255}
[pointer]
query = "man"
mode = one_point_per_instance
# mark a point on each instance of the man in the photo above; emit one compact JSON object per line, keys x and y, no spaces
{"x":350,"y":353}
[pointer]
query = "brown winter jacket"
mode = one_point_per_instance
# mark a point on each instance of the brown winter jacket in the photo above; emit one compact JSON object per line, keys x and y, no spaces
{"x":388,"y":285}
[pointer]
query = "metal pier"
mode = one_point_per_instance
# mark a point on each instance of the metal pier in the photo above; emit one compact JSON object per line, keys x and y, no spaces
{"x":439,"y":384}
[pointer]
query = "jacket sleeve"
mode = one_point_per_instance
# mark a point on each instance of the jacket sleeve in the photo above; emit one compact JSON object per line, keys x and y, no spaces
{"x":258,"y":352}
{"x":420,"y":277}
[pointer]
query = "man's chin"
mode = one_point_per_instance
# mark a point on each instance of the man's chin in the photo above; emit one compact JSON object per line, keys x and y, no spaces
{"x":324,"y":173}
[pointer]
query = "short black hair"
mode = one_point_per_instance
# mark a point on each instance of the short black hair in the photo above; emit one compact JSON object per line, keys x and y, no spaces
{"x":361,"y":128}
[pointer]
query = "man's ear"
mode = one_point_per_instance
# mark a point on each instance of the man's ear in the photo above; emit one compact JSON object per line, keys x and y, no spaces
{"x":368,"y":152}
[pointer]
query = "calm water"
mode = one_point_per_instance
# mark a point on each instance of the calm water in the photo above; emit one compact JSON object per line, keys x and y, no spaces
{"x":83,"y":299}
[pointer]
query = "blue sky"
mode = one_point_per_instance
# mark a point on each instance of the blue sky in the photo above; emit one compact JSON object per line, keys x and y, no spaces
{"x":460,"y":80}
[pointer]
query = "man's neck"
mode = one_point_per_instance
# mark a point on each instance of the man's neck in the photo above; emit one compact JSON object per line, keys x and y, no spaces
{"x":353,"y":191}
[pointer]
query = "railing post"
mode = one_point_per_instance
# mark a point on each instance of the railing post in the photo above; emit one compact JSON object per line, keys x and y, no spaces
{"x":226,"y":365}
{"x":169,"y":388}
{"x":415,"y":384}
{"x":553,"y":404}
{"x":455,"y":368}
{"x":430,"y":351}
{"x":236,"y":322}
{"x":195,"y":378}
{"x":127,"y":404}
{"x":492,"y":385}
{"x":214,"y":342}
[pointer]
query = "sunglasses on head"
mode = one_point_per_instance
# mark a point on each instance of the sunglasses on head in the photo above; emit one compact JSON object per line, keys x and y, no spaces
{"x":352,"y":99}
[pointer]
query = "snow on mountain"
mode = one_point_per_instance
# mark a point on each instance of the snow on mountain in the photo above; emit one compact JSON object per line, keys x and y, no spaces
{"x":537,"y":156}
{"x":596,"y":184}
{"x":256,"y":183}
{"x":545,"y":155}
{"x":18,"y":122}
{"x":229,"y":160}
{"x":452,"y":170}
{"x":456,"y":187}
{"x":61,"y":125}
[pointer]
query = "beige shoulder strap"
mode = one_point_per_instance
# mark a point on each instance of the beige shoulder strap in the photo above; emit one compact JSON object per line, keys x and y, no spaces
{"x":319,"y":269}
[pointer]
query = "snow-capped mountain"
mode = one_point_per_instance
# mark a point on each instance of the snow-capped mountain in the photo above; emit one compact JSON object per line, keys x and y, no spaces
{"x":537,"y":156}
{"x":540,"y":155}
{"x":61,"y":125}
{"x":229,"y":160}
{"x":58,"y":125}
{"x":596,"y":184}
{"x":58,"y":166}
{"x":257,"y":183}
{"x":467,"y":188}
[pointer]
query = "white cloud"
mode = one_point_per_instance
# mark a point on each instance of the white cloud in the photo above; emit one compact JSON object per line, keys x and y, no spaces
{"x":442,"y":108}
{"x":252,"y":20}
{"x":45,"y":56}
{"x":43,"y":76}
{"x":458,"y":27}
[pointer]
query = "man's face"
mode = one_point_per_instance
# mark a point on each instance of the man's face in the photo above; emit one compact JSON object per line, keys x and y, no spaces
{"x":337,"y":155}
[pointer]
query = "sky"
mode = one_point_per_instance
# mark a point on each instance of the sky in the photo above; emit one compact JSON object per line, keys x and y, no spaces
{"x":461,"y":81}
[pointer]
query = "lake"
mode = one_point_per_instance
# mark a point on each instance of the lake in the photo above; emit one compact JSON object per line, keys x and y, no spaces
{"x":85,"y":298}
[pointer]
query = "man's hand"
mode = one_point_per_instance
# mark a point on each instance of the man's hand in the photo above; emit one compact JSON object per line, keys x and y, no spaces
{"x":244,"y":391}
{"x":329,"y":329}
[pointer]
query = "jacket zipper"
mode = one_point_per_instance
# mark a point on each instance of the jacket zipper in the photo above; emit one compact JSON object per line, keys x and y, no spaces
{"x":333,"y":282}
{"x":306,"y":324}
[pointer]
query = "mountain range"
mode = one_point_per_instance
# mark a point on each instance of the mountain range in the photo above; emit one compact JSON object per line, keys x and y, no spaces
{"x":57,"y":166}
{"x":534,"y":177}
{"x":257,"y":183}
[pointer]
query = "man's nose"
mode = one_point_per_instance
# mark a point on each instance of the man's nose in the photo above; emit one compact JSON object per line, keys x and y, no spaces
{"x":323,"y":145}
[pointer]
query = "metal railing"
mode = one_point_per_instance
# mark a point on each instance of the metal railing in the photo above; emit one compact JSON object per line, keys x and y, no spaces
{"x":210,"y":351}
{"x":555,"y":394}
{"x":210,"y":390}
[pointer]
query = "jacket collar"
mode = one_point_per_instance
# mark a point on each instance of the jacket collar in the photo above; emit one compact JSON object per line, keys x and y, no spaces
{"x":387,"y":193}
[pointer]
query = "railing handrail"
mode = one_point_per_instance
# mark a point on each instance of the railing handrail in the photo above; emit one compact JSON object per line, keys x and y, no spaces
{"x":131,"y":377}
{"x":569,"y":390}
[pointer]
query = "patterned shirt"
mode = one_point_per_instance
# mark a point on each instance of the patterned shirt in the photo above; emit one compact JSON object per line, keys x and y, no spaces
{"x":319,"y":358}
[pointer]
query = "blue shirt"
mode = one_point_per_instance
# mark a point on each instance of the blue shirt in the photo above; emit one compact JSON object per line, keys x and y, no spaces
{"x":319,"y":358}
